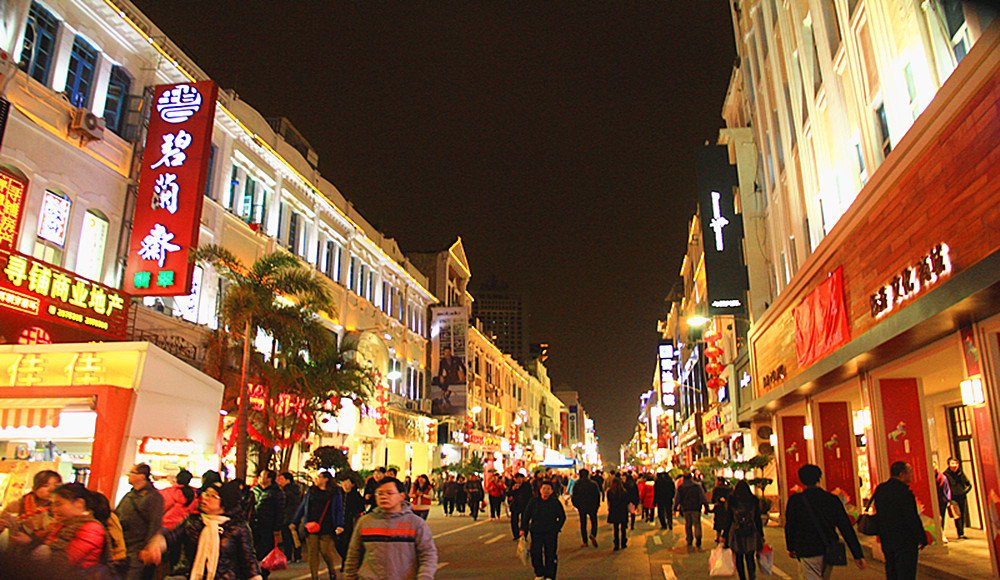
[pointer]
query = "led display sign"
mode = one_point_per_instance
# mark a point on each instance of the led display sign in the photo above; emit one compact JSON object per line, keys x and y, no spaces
{"x":47,"y":293}
{"x":722,"y":232}
{"x":171,"y":185}
{"x":11,"y":208}
{"x":919,"y":276}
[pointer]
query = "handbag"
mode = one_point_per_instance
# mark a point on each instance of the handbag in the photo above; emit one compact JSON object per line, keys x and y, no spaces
{"x":868,"y":521}
{"x":275,"y":560}
{"x":835,"y":553}
{"x":313,"y":527}
{"x":954,"y":510}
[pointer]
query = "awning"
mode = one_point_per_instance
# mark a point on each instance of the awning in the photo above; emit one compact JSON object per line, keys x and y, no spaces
{"x":37,"y":412}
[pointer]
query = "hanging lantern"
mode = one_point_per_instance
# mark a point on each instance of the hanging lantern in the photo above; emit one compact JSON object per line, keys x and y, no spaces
{"x":713,"y":351}
{"x":714,"y":368}
{"x":382,"y":430}
{"x":712,"y":336}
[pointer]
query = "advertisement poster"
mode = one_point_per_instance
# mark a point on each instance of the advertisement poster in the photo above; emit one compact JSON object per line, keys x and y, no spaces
{"x":794,"y":453}
{"x":449,"y":373}
{"x":991,"y":484}
{"x":904,"y":436}
{"x":836,"y":444}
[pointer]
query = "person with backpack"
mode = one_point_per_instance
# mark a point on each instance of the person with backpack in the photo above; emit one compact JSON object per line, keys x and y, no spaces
{"x":690,"y":499}
{"x":745,"y":535}
{"x":812,"y":518}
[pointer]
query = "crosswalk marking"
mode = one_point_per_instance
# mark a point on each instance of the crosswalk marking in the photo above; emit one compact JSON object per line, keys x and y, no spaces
{"x":780,"y":573}
{"x":668,"y":572}
{"x":449,"y":532}
{"x":484,"y":535}
{"x":496,"y":539}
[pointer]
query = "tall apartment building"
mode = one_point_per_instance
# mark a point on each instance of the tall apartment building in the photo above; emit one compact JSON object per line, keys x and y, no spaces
{"x":504,"y":317}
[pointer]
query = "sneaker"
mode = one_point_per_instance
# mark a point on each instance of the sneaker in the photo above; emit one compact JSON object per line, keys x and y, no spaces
{"x":584,"y":545}
{"x":593,"y":540}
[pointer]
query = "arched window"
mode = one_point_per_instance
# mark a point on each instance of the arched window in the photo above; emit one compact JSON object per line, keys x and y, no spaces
{"x":93,"y":241}
{"x":52,"y":222}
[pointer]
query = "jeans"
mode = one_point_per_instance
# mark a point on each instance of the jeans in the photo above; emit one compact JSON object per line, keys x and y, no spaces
{"x":495,"y":501}
{"x":666,"y":515}
{"x":583,"y":524}
{"x":901,"y":564}
{"x":751,"y":565}
{"x":543,"y":553}
{"x":621,"y":534}
{"x":813,"y":568}
{"x":692,"y":526}
{"x":320,"y":545}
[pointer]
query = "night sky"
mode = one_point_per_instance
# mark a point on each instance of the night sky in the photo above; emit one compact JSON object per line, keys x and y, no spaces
{"x":557,"y":139}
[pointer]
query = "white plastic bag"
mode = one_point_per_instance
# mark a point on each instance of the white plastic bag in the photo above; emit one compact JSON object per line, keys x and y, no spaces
{"x":765,"y":560}
{"x":721,"y":563}
{"x":524,"y":550}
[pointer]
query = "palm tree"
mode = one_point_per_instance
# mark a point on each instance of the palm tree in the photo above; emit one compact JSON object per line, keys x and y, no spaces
{"x":276,"y":294}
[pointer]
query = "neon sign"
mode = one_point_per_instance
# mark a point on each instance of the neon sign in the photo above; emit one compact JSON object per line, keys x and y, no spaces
{"x":11,"y":206}
{"x":928,"y":271}
{"x":160,"y":446}
{"x":171,"y":185}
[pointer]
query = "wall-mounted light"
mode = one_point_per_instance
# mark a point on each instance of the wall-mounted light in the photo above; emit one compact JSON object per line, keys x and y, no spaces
{"x":972,"y":392}
{"x":393,"y":375}
{"x":807,"y":432}
{"x":475,"y":410}
{"x":697,"y":320}
{"x":773,"y":439}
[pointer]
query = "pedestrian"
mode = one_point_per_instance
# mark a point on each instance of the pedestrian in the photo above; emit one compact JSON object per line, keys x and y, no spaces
{"x":475,"y":493}
{"x":141,"y":515}
{"x":74,"y":542}
{"x":720,"y":494}
{"x":689,"y":500}
{"x":544,"y":518}
{"x":745,"y":534}
{"x":407,"y":483}
{"x":646,"y":493}
{"x":29,"y":516}
{"x":112,"y":530}
{"x":421,"y":496}
{"x":354,"y":508}
{"x":179,"y":500}
{"x":812,"y":518}
{"x":618,"y":501}
{"x":291,"y":545}
{"x":960,"y":487}
{"x":496,"y":490}
{"x":268,"y":517}
{"x":944,"y":498}
{"x":633,"y":497}
{"x":461,"y":495}
{"x":391,"y":541}
{"x":663,"y":495}
{"x":322,"y":510}
{"x":586,"y":498}
{"x":216,"y":543}
{"x":449,"y":495}
{"x":518,"y":496}
{"x":598,"y":478}
{"x":570,"y":485}
{"x":370,"y":485}
{"x":900,"y":531}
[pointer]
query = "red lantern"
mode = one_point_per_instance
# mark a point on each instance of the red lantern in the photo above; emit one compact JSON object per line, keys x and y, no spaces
{"x":712,"y":336}
{"x":713,"y":351}
{"x":714,"y":368}
{"x":382,"y":430}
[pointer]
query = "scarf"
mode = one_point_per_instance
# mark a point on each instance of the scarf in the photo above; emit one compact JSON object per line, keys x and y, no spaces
{"x":35,"y":516}
{"x":208,"y":547}
{"x":64,"y":532}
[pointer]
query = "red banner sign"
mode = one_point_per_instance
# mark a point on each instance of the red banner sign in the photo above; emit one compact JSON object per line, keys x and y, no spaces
{"x":821,"y":320}
{"x":171,"y":190}
{"x":11,"y":207}
{"x":836,"y":437}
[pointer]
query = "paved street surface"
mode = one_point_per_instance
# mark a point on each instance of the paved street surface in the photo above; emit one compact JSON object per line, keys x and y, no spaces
{"x":486,"y":550}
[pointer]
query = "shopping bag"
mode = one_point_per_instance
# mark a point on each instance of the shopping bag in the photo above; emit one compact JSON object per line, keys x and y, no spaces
{"x":765,"y":560}
{"x":524,"y":550}
{"x":631,"y":509}
{"x":721,"y":563}
{"x":275,"y":560}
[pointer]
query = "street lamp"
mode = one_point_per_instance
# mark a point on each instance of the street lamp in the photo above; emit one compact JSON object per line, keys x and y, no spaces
{"x":697,"y":320}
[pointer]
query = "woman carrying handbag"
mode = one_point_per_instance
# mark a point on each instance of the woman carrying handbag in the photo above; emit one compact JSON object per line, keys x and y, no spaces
{"x":323,"y":513}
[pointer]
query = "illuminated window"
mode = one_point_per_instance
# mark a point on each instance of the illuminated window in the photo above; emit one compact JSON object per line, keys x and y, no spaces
{"x":117,"y":99}
{"x":80,"y":77}
{"x":39,"y":42}
{"x":93,"y":239}
{"x":54,"y":217}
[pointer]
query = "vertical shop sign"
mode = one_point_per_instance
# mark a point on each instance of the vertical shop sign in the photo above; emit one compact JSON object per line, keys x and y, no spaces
{"x":794,"y":453}
{"x":836,"y":438}
{"x":991,"y":478}
{"x":11,"y":208}
{"x":449,"y":387}
{"x":905,"y":438}
{"x":722,"y":230}
{"x":171,"y":185}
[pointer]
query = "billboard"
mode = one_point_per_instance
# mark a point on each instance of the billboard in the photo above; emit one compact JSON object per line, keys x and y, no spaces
{"x":722,"y":232}
{"x":12,"y":192}
{"x":171,"y":190}
{"x":449,"y":374}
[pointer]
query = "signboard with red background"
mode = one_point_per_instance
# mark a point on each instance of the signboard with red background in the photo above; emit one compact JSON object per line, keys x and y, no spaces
{"x":171,"y":187}
{"x":904,"y":436}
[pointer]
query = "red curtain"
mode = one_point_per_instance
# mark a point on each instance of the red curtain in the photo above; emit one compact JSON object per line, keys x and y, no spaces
{"x":821,"y":320}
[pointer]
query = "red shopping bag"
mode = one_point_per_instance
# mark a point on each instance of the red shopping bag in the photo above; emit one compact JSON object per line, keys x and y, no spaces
{"x":275,"y":560}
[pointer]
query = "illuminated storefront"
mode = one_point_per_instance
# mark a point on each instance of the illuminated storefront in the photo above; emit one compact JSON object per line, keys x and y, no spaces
{"x":89,"y":411}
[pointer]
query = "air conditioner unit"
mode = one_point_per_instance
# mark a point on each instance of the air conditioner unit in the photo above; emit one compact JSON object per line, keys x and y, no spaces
{"x":87,"y":124}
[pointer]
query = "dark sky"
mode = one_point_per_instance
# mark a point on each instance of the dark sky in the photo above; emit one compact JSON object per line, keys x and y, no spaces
{"x":557,"y":139}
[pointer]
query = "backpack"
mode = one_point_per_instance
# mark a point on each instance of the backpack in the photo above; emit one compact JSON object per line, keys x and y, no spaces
{"x":743,"y":523}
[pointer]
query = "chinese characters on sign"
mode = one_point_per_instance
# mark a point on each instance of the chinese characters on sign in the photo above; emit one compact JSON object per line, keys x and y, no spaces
{"x":911,"y":280}
{"x":11,"y":205}
{"x":39,"y":289}
{"x":174,"y":169}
